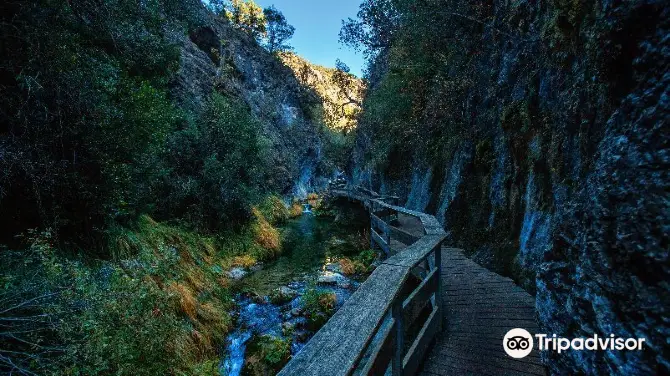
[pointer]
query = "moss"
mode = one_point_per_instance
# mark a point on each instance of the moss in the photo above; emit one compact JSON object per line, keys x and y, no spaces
{"x":318,"y":306}
{"x":244,"y":261}
{"x":267,"y":355}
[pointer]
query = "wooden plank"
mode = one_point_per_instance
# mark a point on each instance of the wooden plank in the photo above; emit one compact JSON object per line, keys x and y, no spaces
{"x":417,"y":351}
{"x":380,"y":356}
{"x":378,"y":223}
{"x":490,"y":347}
{"x":415,"y":253}
{"x":384,"y":212}
{"x":431,"y":225}
{"x":402,"y":235}
{"x":380,"y":241}
{"x":494,"y":362}
{"x":336,"y":348}
{"x":427,"y":288}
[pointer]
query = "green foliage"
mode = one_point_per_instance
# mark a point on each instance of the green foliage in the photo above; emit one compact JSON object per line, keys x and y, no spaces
{"x":416,"y":102}
{"x":274,"y":210}
{"x":318,"y":305}
{"x":94,"y":78}
{"x":268,"y":354}
{"x":248,"y":16}
{"x":218,"y":165}
{"x":164,"y":311}
{"x":374,"y":28}
{"x":367,"y":257}
{"x":278,"y":30}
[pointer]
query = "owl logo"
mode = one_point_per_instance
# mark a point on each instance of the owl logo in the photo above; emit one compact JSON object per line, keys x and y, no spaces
{"x":518,"y":343}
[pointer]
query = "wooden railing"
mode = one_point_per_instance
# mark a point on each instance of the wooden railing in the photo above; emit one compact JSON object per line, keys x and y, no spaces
{"x":390,"y":321}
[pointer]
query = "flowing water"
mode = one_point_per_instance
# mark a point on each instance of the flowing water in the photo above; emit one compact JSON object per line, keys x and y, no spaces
{"x":310,"y":245}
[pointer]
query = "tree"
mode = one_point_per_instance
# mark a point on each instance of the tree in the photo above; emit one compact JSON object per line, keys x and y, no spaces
{"x":374,"y":28}
{"x":218,"y":7}
{"x":278,"y":30}
{"x":248,"y":15}
{"x":351,"y":90}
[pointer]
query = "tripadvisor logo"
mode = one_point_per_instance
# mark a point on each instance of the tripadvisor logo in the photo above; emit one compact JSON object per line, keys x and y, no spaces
{"x":518,"y":343}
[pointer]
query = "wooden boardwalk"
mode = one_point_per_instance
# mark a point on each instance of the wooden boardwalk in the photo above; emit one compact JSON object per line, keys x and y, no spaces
{"x":462,"y":309}
{"x":480,"y":307}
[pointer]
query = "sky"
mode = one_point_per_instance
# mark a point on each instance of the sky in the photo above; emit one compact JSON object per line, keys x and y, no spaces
{"x":317,"y":26}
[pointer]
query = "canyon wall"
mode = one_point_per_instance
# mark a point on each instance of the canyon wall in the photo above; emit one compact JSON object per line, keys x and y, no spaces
{"x":539,"y":138}
{"x":216,"y":56}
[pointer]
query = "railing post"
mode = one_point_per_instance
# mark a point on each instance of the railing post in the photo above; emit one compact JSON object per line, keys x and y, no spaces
{"x":438,"y":293}
{"x":398,"y":352}
{"x":388,"y":237}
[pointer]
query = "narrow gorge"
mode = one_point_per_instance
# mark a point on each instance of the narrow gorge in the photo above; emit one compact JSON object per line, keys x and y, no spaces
{"x":170,"y":169}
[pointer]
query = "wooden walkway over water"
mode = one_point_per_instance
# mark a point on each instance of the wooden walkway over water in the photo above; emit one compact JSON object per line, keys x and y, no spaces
{"x":445,"y":319}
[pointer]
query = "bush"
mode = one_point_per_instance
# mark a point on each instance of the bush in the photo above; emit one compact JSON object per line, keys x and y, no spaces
{"x":218,"y":165}
{"x":296,"y":209}
{"x":319,"y":306}
{"x":88,"y":151}
{"x":367,"y":257}
{"x":266,"y":236}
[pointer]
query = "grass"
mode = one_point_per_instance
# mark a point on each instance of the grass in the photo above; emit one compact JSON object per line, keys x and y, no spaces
{"x":266,"y":235}
{"x":161,"y":308}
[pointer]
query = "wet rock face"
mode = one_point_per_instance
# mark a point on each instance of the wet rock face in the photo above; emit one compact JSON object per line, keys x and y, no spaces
{"x":611,"y":267}
{"x":563,"y":184}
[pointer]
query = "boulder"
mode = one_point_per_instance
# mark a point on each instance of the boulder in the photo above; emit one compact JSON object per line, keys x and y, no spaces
{"x":236,"y":273}
{"x":282,"y":295}
{"x":331,"y":278}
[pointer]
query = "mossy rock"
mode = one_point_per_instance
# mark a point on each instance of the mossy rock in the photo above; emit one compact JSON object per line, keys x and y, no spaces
{"x":267,"y":355}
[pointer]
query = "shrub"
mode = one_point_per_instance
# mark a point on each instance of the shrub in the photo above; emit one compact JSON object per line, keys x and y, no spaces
{"x":319,"y":306}
{"x":88,"y":152}
{"x":296,"y":209}
{"x":367,"y":257}
{"x":163,"y":311}
{"x":244,"y":261}
{"x":218,"y":165}
{"x":356,"y":266}
{"x":348,"y":267}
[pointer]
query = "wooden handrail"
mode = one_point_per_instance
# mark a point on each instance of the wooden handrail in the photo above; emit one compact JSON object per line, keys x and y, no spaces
{"x":367,"y":335}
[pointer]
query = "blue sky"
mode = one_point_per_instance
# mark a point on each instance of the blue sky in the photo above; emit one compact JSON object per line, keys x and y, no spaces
{"x":317,"y":26}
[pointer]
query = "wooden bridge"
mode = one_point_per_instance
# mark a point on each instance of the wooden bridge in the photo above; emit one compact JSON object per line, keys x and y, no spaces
{"x":427,"y":309}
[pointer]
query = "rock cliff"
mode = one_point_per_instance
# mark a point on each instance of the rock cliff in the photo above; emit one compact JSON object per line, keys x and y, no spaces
{"x":217,"y":56}
{"x":551,"y":121}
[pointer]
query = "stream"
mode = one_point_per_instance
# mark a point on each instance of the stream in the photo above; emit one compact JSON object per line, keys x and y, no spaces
{"x":311,"y":247}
